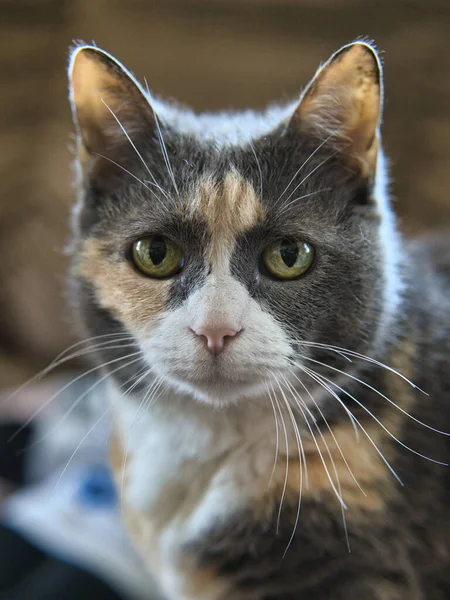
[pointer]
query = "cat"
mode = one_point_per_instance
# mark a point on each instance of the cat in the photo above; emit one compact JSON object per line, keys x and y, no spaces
{"x":276,"y":354}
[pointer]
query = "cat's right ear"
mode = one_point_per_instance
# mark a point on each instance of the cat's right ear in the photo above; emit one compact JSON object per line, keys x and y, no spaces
{"x":109,"y":106}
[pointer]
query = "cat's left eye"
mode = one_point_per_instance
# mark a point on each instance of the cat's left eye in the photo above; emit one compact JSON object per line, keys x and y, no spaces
{"x":157,"y":256}
{"x":287,"y":259}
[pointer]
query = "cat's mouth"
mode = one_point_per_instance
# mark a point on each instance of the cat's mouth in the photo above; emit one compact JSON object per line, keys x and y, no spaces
{"x":218,"y":383}
{"x":220,"y":389}
{"x":214,"y":380}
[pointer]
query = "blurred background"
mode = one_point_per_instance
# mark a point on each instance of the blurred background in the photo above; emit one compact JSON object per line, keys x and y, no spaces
{"x":209,"y":54}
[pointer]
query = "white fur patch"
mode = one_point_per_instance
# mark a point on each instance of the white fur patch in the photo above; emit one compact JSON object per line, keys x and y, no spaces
{"x":189,"y":467}
{"x":391,"y":249}
{"x":224,"y":128}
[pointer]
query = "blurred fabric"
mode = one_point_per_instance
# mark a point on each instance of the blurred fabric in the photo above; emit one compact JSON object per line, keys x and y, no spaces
{"x":210,"y":54}
{"x":61,"y":535}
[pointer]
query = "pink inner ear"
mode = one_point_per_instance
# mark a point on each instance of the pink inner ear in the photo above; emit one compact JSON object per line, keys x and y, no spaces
{"x":106,"y":102}
{"x":343,"y":101}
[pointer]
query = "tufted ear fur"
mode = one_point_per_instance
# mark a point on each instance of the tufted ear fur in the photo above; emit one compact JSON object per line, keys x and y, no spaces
{"x":344,"y":102}
{"x":107,"y":105}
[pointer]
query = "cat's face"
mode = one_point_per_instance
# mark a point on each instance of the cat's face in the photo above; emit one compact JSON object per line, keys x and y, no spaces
{"x":231,"y":248}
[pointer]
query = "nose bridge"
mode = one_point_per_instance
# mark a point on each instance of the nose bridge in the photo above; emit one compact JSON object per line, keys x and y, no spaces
{"x":220,"y":304}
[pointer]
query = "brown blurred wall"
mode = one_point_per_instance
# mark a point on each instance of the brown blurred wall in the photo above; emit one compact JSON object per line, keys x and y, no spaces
{"x":209,"y":54}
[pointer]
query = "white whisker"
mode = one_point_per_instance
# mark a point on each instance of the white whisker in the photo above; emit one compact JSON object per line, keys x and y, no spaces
{"x":165,"y":154}
{"x":324,"y":161}
{"x":322,"y":416}
{"x":301,"y":167}
{"x":333,"y":486}
{"x":136,"y":150}
{"x":145,"y":182}
{"x":384,"y":459}
{"x":296,"y":396}
{"x":344,"y":351}
{"x":91,"y":339}
{"x":59,"y":360}
{"x":83,"y":439}
{"x":367,"y":385}
{"x":71,"y":382}
{"x":162,"y":143}
{"x":370,"y":413}
{"x":286,"y":206}
{"x":301,"y":461}
{"x":78,"y":400}
{"x":287,"y":459}
{"x":313,"y":376}
{"x":125,"y":170}
{"x":277,"y":435}
{"x":259,"y":169}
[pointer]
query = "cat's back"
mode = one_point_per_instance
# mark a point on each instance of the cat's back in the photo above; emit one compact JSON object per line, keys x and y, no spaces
{"x":426,"y":316}
{"x":428,"y":270}
{"x":436,"y":249}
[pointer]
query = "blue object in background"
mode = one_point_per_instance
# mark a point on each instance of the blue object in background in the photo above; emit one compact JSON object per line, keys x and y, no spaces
{"x":97,"y":487}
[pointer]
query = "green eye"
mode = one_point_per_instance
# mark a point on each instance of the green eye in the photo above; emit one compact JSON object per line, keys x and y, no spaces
{"x":288,"y":260}
{"x":156,"y":256}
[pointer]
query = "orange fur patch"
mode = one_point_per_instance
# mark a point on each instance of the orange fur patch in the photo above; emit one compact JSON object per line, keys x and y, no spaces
{"x":103,"y":94}
{"x":344,"y":101}
{"x":229,"y":209}
{"x":119,"y":288}
{"x":363,"y":461}
{"x":362,"y":458}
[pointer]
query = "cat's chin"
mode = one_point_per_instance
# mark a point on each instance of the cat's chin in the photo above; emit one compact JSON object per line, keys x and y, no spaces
{"x":220,"y":392}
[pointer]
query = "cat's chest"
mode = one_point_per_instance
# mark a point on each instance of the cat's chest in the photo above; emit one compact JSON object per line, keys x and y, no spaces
{"x":174,"y":454}
{"x":184,"y":469}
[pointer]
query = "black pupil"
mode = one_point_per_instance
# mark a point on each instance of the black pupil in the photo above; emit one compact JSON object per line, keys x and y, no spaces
{"x":289,"y":253}
{"x":157,"y":250}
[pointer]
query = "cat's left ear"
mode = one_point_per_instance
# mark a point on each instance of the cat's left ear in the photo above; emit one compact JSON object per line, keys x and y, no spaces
{"x":108,"y":104}
{"x":343,"y":102}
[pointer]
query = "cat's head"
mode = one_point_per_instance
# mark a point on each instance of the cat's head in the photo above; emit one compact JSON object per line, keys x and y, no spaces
{"x":231,"y":247}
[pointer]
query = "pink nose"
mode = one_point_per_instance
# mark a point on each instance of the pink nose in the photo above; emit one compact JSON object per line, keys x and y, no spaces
{"x":216,"y":339}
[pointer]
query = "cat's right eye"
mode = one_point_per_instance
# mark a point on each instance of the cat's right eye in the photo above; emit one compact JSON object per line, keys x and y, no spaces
{"x":157,"y":256}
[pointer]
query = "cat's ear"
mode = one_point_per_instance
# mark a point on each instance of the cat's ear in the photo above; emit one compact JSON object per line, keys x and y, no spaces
{"x":343,"y":102}
{"x":108,"y":104}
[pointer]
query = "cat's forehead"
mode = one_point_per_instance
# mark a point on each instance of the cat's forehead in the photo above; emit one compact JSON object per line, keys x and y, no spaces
{"x":228,"y":207}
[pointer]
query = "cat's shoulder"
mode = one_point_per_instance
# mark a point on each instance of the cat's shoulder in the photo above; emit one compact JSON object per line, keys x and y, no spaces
{"x":431,"y":254}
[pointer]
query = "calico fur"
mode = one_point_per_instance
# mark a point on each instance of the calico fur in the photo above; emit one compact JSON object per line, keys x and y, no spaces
{"x":245,"y":475}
